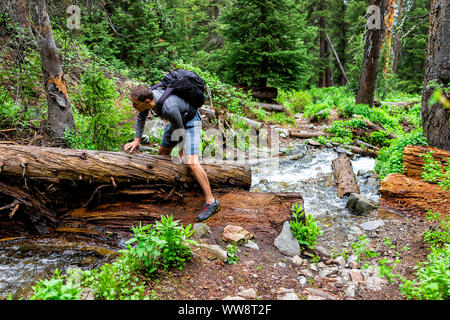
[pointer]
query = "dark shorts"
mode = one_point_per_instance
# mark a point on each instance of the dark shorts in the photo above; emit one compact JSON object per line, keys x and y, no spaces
{"x":191,"y":136}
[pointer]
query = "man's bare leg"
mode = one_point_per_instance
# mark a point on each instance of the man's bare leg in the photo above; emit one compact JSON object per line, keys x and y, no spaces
{"x":193,"y":163}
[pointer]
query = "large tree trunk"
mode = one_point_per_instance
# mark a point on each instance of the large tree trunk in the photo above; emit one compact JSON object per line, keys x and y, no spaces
{"x":369,"y":71}
{"x":436,"y":118}
{"x":38,"y":185}
{"x":110,"y":167}
{"x":397,"y":37}
{"x":60,"y":116}
{"x":388,"y":33}
{"x":325,"y":75}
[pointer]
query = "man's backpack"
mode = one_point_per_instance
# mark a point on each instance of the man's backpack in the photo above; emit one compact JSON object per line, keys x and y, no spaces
{"x":185,"y":84}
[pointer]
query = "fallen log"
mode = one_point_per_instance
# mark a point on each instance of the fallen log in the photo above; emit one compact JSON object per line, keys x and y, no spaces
{"x":411,"y":196}
{"x":110,"y":167}
{"x":249,"y":122}
{"x":375,"y":127}
{"x":413,"y":161}
{"x":344,"y":176}
{"x":272,"y":107}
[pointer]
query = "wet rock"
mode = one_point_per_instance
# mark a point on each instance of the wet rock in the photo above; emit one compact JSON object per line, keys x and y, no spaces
{"x":371,"y":225}
{"x":200,"y":230}
{"x":286,"y":242}
{"x":252,"y":245}
{"x":235,"y":234}
{"x":215,"y":250}
{"x":360,"y":204}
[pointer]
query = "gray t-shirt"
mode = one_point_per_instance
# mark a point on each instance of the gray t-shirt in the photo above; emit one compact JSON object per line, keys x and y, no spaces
{"x":173,"y":110}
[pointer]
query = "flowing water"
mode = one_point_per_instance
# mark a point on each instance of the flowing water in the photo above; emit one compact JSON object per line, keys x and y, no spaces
{"x":22,"y":262}
{"x":312,"y":176}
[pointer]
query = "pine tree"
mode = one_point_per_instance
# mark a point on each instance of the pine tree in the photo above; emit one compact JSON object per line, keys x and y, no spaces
{"x":263,"y":45}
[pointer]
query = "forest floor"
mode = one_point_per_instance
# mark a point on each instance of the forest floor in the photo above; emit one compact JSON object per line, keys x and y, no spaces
{"x":265,"y":273}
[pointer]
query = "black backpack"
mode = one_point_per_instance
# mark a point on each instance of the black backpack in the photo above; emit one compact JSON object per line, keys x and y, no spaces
{"x":185,"y":84}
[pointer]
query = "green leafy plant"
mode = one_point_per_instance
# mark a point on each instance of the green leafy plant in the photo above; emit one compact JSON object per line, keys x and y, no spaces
{"x":100,"y":124}
{"x":115,"y":281}
{"x":362,"y":250}
{"x":390,"y":158}
{"x":59,"y":287}
{"x":175,"y":250}
{"x":435,"y":172}
{"x":304,"y":227}
{"x":232,"y":250}
{"x":145,"y":255}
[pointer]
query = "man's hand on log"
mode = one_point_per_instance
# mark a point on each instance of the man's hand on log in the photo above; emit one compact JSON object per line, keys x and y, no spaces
{"x":133,"y":145}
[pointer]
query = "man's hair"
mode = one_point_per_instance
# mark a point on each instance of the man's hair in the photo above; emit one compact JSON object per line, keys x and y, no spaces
{"x":141,"y":93}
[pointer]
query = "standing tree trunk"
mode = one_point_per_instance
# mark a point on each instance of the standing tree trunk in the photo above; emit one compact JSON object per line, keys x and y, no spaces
{"x":60,"y":117}
{"x":436,"y":118}
{"x":372,"y":47}
{"x":397,"y":37}
{"x":325,"y":76}
{"x":388,"y":34}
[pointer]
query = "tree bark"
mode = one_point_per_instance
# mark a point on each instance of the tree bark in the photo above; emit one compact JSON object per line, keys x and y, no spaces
{"x":369,"y":71}
{"x":344,"y":176}
{"x":388,"y":33}
{"x":110,"y":167}
{"x":60,"y":117}
{"x":436,"y":118}
{"x":397,"y":37}
{"x":325,"y":75}
{"x":413,"y":160}
{"x":341,"y":67}
{"x":411,"y":196}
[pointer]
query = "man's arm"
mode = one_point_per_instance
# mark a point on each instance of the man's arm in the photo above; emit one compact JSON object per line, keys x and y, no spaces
{"x":140,"y":124}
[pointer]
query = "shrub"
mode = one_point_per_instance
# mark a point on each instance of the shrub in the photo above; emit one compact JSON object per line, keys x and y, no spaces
{"x":295,"y":100}
{"x":115,"y":281}
{"x":175,"y":250}
{"x":306,"y":232}
{"x":100,"y":124}
{"x":9,"y":111}
{"x":435,"y":172}
{"x":390,"y":158}
{"x":59,"y":287}
{"x":145,"y":255}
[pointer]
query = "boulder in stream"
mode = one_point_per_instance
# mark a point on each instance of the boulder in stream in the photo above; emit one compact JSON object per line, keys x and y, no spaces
{"x":360,"y":204}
